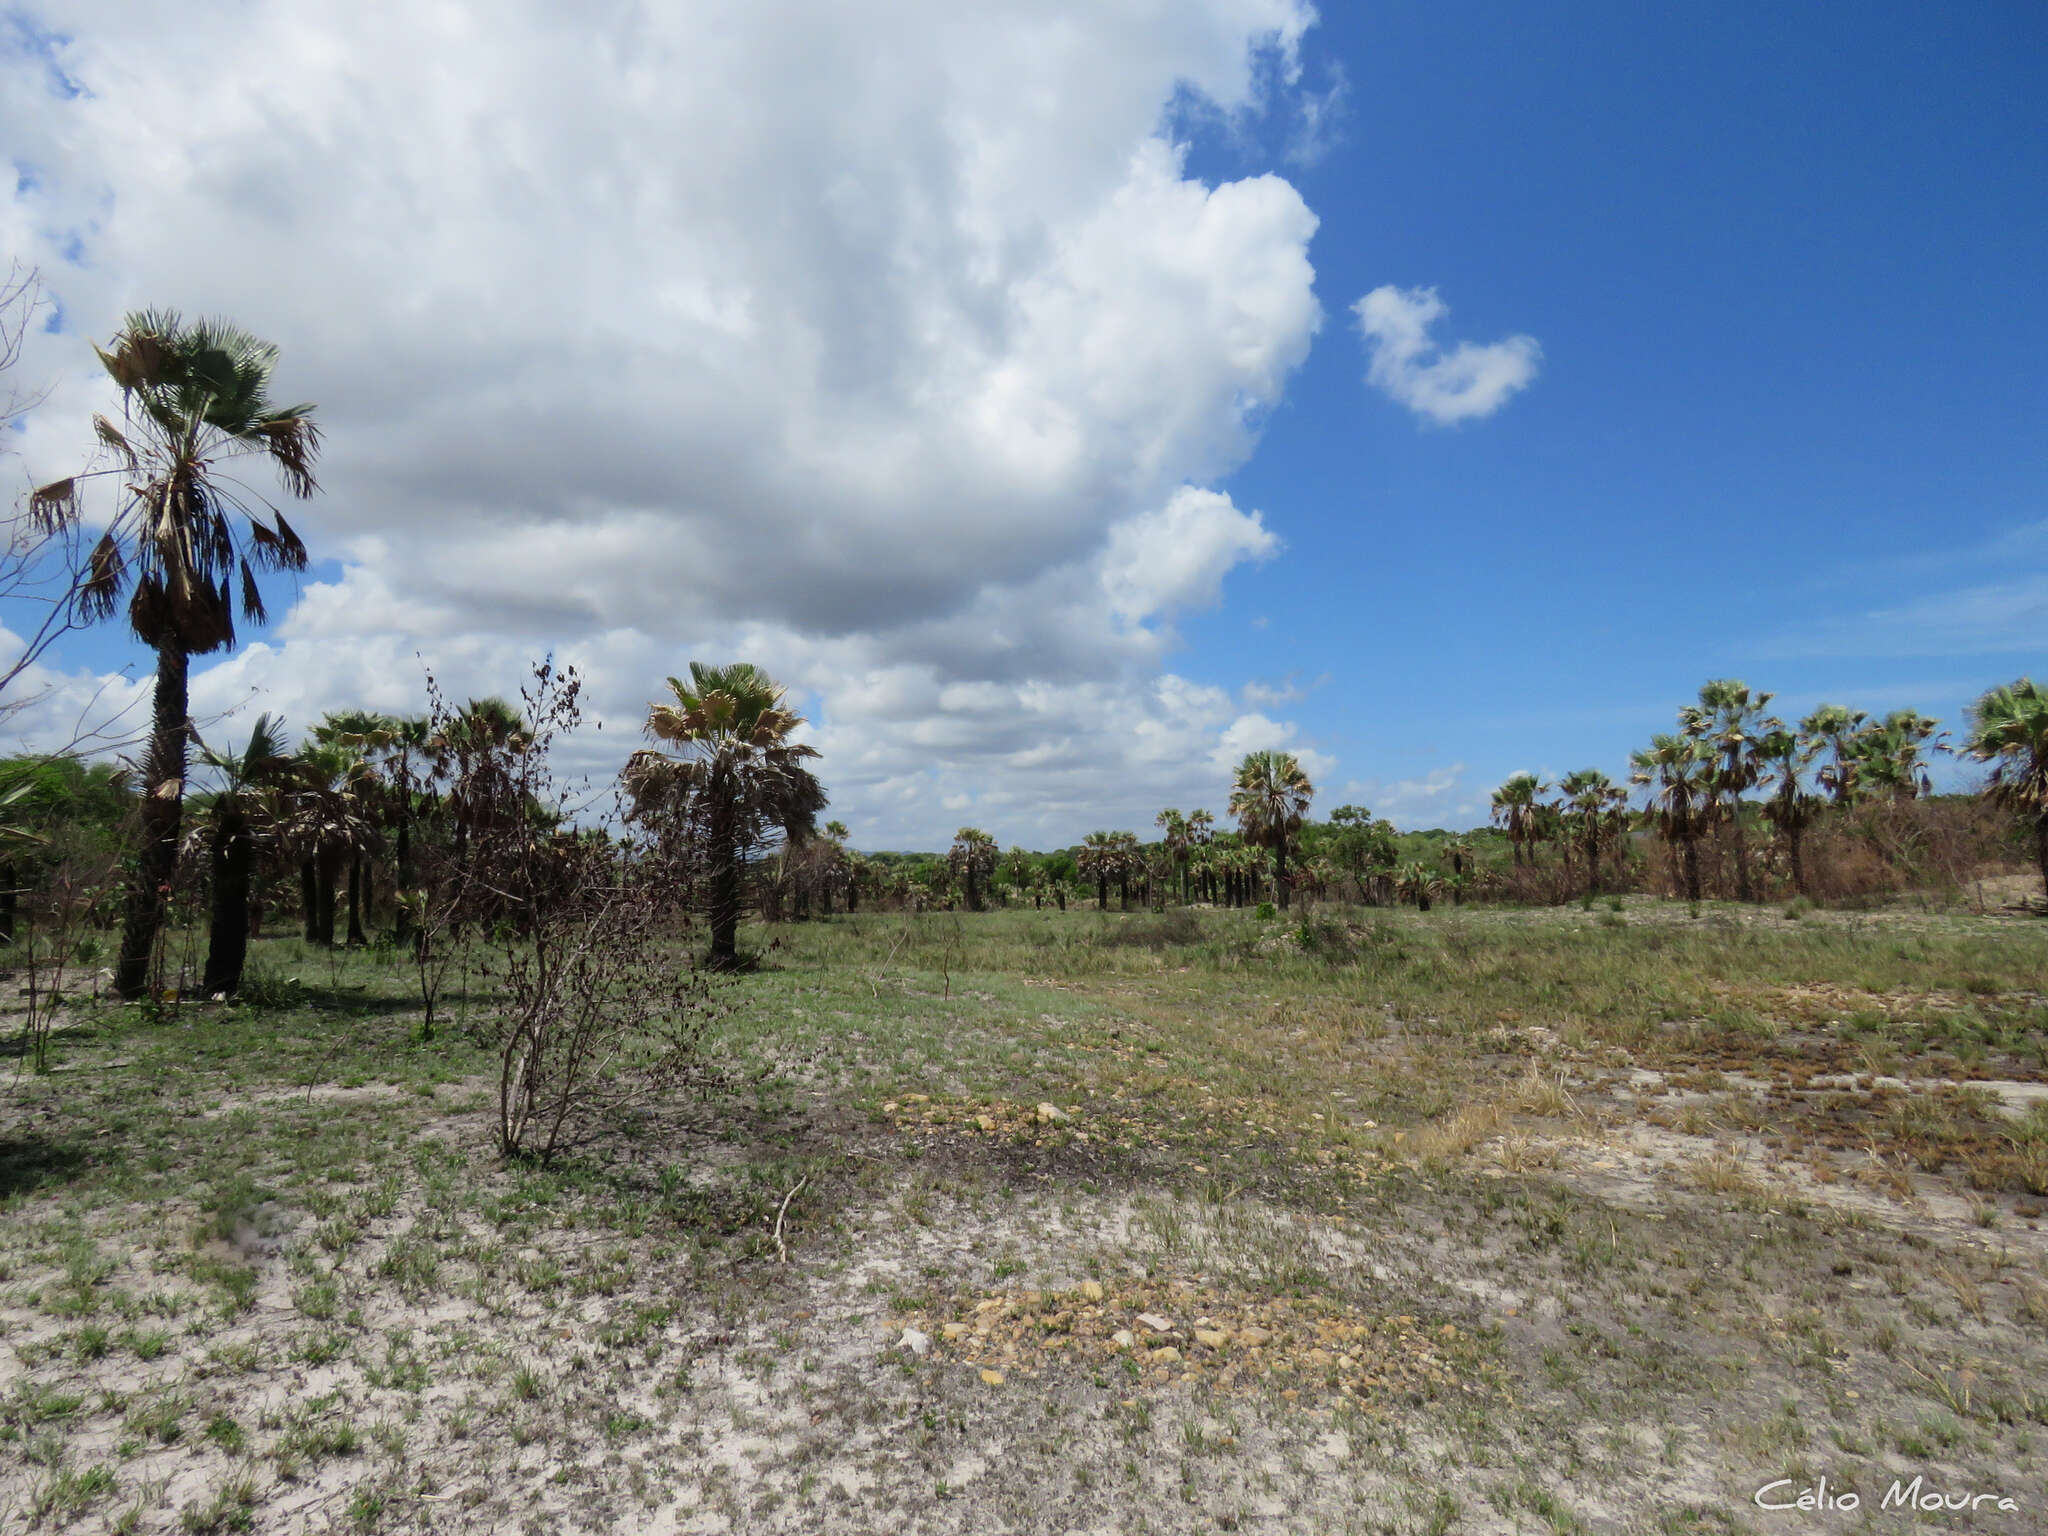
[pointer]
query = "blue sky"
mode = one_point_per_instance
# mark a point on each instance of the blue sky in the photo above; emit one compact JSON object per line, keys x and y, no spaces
{"x":1785,"y":271}
{"x":1777,"y":271}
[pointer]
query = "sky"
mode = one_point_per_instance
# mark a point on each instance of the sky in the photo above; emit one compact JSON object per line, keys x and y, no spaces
{"x":1065,"y":399}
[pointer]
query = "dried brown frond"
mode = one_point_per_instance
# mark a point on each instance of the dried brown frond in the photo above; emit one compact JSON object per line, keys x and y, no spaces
{"x":55,"y":506}
{"x":293,"y":442}
{"x":252,"y":600}
{"x":292,"y":556}
{"x":113,"y":437}
{"x":102,"y":586}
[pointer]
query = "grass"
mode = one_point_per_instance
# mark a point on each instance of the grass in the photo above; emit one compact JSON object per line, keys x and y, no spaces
{"x":1563,"y":1190}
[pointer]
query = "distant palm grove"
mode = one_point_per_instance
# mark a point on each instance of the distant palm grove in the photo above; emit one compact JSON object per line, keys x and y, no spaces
{"x":424,"y":830}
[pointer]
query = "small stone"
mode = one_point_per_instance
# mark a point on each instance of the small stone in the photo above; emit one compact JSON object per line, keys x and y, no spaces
{"x":1090,"y":1290}
{"x":1215,"y":1338}
{"x":1321,"y":1359}
{"x":891,"y":1107}
{"x":917,"y":1098}
{"x":1155,"y":1322}
{"x":1123,"y":1338}
{"x":916,"y":1340}
{"x":1253,"y":1337}
{"x":1165,"y":1355}
{"x":953,"y":1331}
{"x":1048,"y":1113}
{"x":987,"y":1124}
{"x":992,"y":1378}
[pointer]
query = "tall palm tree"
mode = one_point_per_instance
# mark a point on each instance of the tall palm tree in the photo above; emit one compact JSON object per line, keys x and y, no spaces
{"x":737,"y":780}
{"x":1515,"y":808}
{"x":973,"y":858}
{"x":329,"y":823}
{"x":1269,"y":797}
{"x":1729,"y":719}
{"x":408,"y":749}
{"x":195,"y":398}
{"x":1592,"y":803}
{"x":2009,"y":728}
{"x":1130,"y":864}
{"x":1833,"y":728}
{"x":261,"y":762}
{"x":1890,"y":754}
{"x":1176,"y":838}
{"x":1792,"y":808}
{"x":1678,"y":771}
{"x":362,"y":736}
{"x":1201,"y":839}
{"x":1097,"y":858}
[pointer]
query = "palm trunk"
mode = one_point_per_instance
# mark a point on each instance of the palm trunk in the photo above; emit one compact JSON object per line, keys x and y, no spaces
{"x":1691,"y":849}
{"x":227,"y":944}
{"x":7,"y":903}
{"x":1102,"y":893}
{"x":2041,"y":848}
{"x":163,"y":806}
{"x":309,"y":899}
{"x":723,"y":903}
{"x":403,"y":921}
{"x":326,"y":870}
{"x":1280,"y":874}
{"x":356,"y":938}
{"x":1592,"y":863}
{"x":1742,"y":888}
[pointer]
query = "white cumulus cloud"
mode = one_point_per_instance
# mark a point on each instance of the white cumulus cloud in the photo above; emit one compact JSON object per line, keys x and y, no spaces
{"x":1411,"y":368}
{"x":897,"y":357}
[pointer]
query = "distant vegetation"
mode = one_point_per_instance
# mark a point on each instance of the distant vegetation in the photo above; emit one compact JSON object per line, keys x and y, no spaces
{"x":389,"y":820}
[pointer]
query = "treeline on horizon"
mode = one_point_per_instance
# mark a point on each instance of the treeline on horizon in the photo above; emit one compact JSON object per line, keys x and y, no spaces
{"x":450,"y":825}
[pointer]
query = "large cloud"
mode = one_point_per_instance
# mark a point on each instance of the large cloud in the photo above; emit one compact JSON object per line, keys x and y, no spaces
{"x":893,"y":350}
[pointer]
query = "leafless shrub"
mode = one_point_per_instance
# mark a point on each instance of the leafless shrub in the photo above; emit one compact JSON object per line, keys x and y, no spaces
{"x":599,"y":1011}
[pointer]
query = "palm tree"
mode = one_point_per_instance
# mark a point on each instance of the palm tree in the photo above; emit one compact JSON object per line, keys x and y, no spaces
{"x":1177,"y":843}
{"x":1785,"y":756}
{"x":974,"y":859}
{"x":359,"y":734}
{"x":1728,"y":719}
{"x":1591,"y":803}
{"x":2009,"y":728}
{"x":1417,"y":882}
{"x":329,"y":824}
{"x":738,"y":780}
{"x":1834,"y":728}
{"x":1678,"y":771}
{"x":1888,"y":753}
{"x":1515,"y":806}
{"x":411,"y":740}
{"x":1201,"y":839}
{"x":1127,"y":862}
{"x":195,"y":397}
{"x":1269,"y":797}
{"x":261,"y":762}
{"x":1457,"y":850}
{"x":1097,"y":860}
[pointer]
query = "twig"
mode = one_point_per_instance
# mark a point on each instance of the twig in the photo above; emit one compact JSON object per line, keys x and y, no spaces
{"x":781,"y":1247}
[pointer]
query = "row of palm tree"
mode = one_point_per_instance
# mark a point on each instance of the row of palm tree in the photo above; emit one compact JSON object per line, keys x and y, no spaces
{"x":188,"y":538}
{"x":1699,"y":780}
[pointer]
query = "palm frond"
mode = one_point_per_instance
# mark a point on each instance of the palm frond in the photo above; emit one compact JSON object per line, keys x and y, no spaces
{"x":55,"y":506}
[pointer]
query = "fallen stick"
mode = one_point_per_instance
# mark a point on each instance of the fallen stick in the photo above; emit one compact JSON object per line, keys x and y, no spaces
{"x":781,"y":1247}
